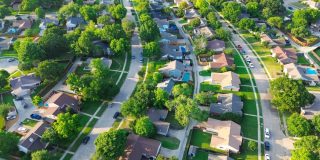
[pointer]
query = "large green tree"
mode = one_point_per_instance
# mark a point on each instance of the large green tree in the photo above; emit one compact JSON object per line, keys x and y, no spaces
{"x":151,"y":49}
{"x":29,"y":53}
{"x":111,"y":144}
{"x":49,"y":70}
{"x":40,"y":12}
{"x":231,"y":11}
{"x":161,"y":97}
{"x":42,"y":155}
{"x":144,"y":127}
{"x":84,"y":45}
{"x":4,"y":11}
{"x":182,"y":89}
{"x":29,"y":5}
{"x":118,"y":12}
{"x":66,"y":125}
{"x":298,"y":125}
{"x":113,"y":31}
{"x":275,"y":22}
{"x":247,"y":24}
{"x":89,"y":13}
{"x":303,"y":154}
{"x":4,"y":75}
{"x":9,"y":142}
{"x":120,"y":46}
{"x":69,"y":10}
{"x":253,"y":9}
{"x":311,"y":143}
{"x":316,"y":123}
{"x":149,"y":31}
{"x":289,"y":95}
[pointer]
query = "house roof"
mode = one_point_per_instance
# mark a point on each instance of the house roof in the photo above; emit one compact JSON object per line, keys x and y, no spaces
{"x":75,"y":20}
{"x":227,"y":133}
{"x":24,"y":81}
{"x":166,"y":85}
{"x":170,"y":50}
{"x":216,"y":44}
{"x":157,"y":116}
{"x":285,"y":56}
{"x":221,"y":60}
{"x":206,"y":31}
{"x":48,"y":20}
{"x":218,"y":157}
{"x":162,"y":23}
{"x":266,"y":38}
{"x":227,"y":103}
{"x":300,"y":72}
{"x":61,"y":99}
{"x":137,"y":147}
{"x":5,"y":42}
{"x":226,"y":79}
{"x":173,"y":65}
{"x":32,"y":140}
{"x":191,"y":13}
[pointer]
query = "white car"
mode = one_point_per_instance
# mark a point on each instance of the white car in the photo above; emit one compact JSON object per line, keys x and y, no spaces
{"x":267,"y":157}
{"x":251,"y":65}
{"x":267,"y":133}
{"x":11,"y":117}
{"x":22,"y":130}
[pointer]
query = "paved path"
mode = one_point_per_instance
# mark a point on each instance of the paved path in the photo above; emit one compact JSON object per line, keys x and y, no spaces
{"x":105,"y":122}
{"x":280,"y":144}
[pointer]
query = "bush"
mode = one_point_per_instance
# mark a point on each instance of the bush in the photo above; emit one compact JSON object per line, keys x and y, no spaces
{"x":298,"y":125}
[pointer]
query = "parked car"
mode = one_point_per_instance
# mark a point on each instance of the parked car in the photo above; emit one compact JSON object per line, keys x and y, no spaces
{"x":22,"y":129}
{"x":116,"y":115}
{"x":267,"y":133}
{"x":133,"y":57}
{"x":235,"y":32}
{"x":11,"y":59}
{"x":85,"y":139}
{"x":290,"y":8}
{"x":19,"y":98}
{"x":267,"y":157}
{"x":35,"y":116}
{"x":8,"y":118}
{"x":251,"y":65}
{"x":266,"y":145}
{"x":141,"y":60}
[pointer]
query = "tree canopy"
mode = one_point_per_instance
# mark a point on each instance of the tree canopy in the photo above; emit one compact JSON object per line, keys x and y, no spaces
{"x":42,"y":155}
{"x":298,"y":125}
{"x":9,"y":142}
{"x":231,"y":11}
{"x":66,"y":125}
{"x":118,"y":11}
{"x":49,"y":70}
{"x":144,"y":127}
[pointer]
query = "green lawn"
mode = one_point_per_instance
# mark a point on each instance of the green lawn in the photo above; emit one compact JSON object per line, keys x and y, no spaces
{"x":205,"y":72}
{"x":205,"y":87}
{"x":201,"y":139}
{"x":2,"y":122}
{"x":174,"y":124}
{"x":182,"y":21}
{"x":83,"y":121}
{"x":68,"y":156}
{"x":244,"y":76}
{"x":9,"y":53}
{"x":314,"y":58}
{"x":317,"y":51}
{"x":303,"y":61}
{"x":16,"y":74}
{"x":29,"y":122}
{"x":116,"y":123}
{"x":117,"y":62}
{"x":168,"y":142}
{"x":249,"y":103}
{"x":249,"y":127}
{"x":237,"y":60}
{"x":90,"y":107}
{"x":245,"y":152}
{"x":102,"y":109}
{"x":201,"y":155}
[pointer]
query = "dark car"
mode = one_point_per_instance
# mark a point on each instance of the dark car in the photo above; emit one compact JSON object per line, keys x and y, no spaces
{"x":290,"y":8}
{"x":35,"y":116}
{"x":116,"y":115}
{"x":235,"y":32}
{"x":19,"y":98}
{"x":267,"y":145}
{"x":85,"y":139}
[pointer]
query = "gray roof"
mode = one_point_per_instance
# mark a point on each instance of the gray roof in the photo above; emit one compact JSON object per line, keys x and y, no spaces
{"x":24,"y":81}
{"x":166,"y":85}
{"x":157,"y":116}
{"x":216,"y":44}
{"x":227,"y":103}
{"x":174,"y":65}
{"x":47,"y":21}
{"x":5,"y":42}
{"x":76,"y":20}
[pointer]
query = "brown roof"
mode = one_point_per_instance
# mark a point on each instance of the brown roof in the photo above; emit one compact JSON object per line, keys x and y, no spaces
{"x":216,"y":44}
{"x":226,"y":79}
{"x":221,"y":60}
{"x":139,"y":147}
{"x":22,"y":24}
{"x":285,"y":56}
{"x":62,"y":99}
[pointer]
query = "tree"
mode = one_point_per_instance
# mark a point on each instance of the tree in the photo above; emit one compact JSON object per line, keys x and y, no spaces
{"x":4,"y":109}
{"x":204,"y":98}
{"x":201,"y":4}
{"x":49,"y":70}
{"x":113,"y":31}
{"x":252,"y":145}
{"x":119,"y":46}
{"x":266,"y":13}
{"x":104,"y":19}
{"x":69,"y":10}
{"x":42,"y":155}
{"x":289,"y":95}
{"x":37,"y":100}
{"x":316,"y":123}
{"x":182,"y":89}
{"x":4,"y":75}
{"x":213,"y":21}
{"x":84,"y":45}
{"x":149,"y":31}
{"x":223,"y":34}
{"x":144,"y":127}
{"x":74,"y":82}
{"x":29,"y":53}
{"x":118,"y":12}
{"x":66,"y":125}
{"x":253,"y":9}
{"x":195,"y":22}
{"x":29,"y":5}
{"x":9,"y":142}
{"x":275,"y":22}
{"x":5,"y":2}
{"x":128,"y":26}
{"x":311,"y":143}
{"x":89,"y":13}
{"x":298,"y":125}
{"x":157,"y":77}
{"x":247,"y":24}
{"x":302,"y":154}
{"x":161,"y":97}
{"x":4,"y":11}
{"x":111,"y":144}
{"x":151,"y":49}
{"x":231,"y":11}
{"x":183,"y":5}
{"x":52,"y":137}
{"x":40,"y":12}
{"x":200,"y":44}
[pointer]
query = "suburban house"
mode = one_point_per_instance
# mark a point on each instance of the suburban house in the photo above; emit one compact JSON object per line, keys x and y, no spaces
{"x":89,"y":1}
{"x":157,"y":116}
{"x":216,"y":45}
{"x":205,"y":31}
{"x":225,"y":134}
{"x":74,"y":22}
{"x":171,"y":51}
{"x":5,"y":43}
{"x":32,"y":140}
{"x":138,"y":147}
{"x":227,"y":80}
{"x":267,"y":39}
{"x":304,"y":73}
{"x":218,"y":157}
{"x":22,"y":24}
{"x":173,"y":69}
{"x":46,"y":21}
{"x":23,"y":85}
{"x":191,"y":13}
{"x":163,"y":24}
{"x":221,"y":60}
{"x":58,"y":103}
{"x":284,"y":56}
{"x":227,"y":103}
{"x":167,"y":85}
{"x":313,"y":4}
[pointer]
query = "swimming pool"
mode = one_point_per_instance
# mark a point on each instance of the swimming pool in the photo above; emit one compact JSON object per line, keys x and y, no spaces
{"x":311,"y":71}
{"x":186,"y":77}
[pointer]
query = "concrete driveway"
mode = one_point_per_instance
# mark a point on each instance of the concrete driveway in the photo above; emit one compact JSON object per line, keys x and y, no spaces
{"x":8,"y":66}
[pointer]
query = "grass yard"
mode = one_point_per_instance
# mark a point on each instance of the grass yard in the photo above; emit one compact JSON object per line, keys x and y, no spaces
{"x":245,"y":152}
{"x":237,"y":60}
{"x":9,"y":53}
{"x":68,"y":156}
{"x":90,"y":107}
{"x":113,"y":78}
{"x":86,"y":131}
{"x":29,"y":122}
{"x":317,"y":51}
{"x":302,"y":60}
{"x":118,"y":62}
{"x":168,"y":142}
{"x":83,"y":121}
{"x":249,"y":127}
{"x":174,"y":124}
{"x":116,"y":123}
{"x":205,"y":72}
{"x":201,"y":139}
{"x":249,"y":103}
{"x":8,"y":99}
{"x":244,"y":76}
{"x":2,"y":122}
{"x":102,"y":109}
{"x":154,"y":66}
{"x":314,"y":58}
{"x":182,"y":21}
{"x":201,"y":155}
{"x":272,"y":66}
{"x":205,"y":87}
{"x":16,"y":74}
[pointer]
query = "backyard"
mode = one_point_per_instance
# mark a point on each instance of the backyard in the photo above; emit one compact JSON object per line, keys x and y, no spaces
{"x":168,"y":142}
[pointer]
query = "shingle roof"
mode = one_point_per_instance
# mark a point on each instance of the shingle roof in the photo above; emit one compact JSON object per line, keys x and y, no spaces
{"x":227,"y":103}
{"x":166,"y":85}
{"x":216,"y":44}
{"x":173,"y":65}
{"x":157,"y":116}
{"x":285,"y":56}
{"x":24,"y":81}
{"x":226,"y":79}
{"x":221,"y":60}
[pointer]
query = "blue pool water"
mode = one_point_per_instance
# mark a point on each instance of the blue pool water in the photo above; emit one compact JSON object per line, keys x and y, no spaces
{"x":186,"y":77}
{"x":311,"y":71}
